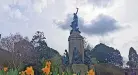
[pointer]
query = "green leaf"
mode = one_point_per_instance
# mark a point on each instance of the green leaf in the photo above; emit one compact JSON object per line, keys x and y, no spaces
{"x":12,"y":72}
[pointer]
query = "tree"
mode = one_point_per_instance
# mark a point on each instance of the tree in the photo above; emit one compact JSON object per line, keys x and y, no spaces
{"x":105,"y":54}
{"x":7,"y":43}
{"x":115,"y":58}
{"x":5,"y":58}
{"x":88,"y":47}
{"x":41,"y":48}
{"x":39,"y":39}
{"x":133,"y":58}
{"x":25,"y":52}
{"x":87,"y":57}
{"x":85,"y":43}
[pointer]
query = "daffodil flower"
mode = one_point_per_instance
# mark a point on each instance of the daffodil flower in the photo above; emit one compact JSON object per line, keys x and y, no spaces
{"x":5,"y":69}
{"x":29,"y":71}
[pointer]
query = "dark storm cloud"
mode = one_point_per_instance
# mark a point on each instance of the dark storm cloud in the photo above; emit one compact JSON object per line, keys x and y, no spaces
{"x":100,"y":3}
{"x":102,"y":25}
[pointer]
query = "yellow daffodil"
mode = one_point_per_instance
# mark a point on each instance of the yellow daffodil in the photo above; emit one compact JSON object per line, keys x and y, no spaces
{"x":48,"y":64}
{"x":5,"y":69}
{"x":29,"y":71}
{"x":91,"y":72}
{"x":46,"y":70}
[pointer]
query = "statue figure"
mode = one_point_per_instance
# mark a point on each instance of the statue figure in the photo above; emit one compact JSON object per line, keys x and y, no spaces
{"x":65,"y":58}
{"x":77,"y":58}
{"x":74,"y":24}
{"x":75,"y":20}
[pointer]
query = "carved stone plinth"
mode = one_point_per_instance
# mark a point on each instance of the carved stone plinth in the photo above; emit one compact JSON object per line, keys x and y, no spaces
{"x":82,"y":68}
{"x":76,"y":40}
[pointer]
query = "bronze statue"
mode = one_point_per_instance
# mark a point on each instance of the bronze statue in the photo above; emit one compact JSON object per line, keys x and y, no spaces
{"x":65,"y":58}
{"x":74,"y":24}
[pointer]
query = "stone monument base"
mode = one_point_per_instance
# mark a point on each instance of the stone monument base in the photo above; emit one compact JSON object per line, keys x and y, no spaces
{"x":82,"y":68}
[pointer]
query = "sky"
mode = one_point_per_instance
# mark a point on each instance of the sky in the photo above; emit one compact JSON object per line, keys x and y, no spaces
{"x":112,"y":22}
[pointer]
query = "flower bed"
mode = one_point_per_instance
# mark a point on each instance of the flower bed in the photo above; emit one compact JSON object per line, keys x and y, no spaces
{"x":46,"y":70}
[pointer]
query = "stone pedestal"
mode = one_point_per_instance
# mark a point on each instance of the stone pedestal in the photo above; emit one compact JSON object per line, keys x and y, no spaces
{"x":80,"y":68}
{"x":76,"y":40}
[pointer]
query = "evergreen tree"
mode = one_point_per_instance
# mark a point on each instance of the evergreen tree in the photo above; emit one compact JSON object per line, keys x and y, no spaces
{"x":133,"y":58}
{"x":115,"y":58}
{"x":105,"y":54}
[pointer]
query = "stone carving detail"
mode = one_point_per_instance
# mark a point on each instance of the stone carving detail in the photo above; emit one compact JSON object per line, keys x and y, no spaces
{"x":77,"y":58}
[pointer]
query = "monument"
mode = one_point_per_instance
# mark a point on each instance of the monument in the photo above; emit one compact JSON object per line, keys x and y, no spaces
{"x":74,"y":59}
{"x":76,"y":43}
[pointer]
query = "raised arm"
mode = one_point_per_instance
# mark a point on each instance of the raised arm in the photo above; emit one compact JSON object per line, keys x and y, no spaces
{"x":77,"y":10}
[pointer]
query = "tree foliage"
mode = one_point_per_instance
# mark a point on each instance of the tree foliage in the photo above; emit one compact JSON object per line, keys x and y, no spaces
{"x":41,"y":47}
{"x":25,"y":52}
{"x":105,"y":54}
{"x":41,"y":50}
{"x":133,"y":58}
{"x":7,"y":43}
{"x":87,"y":57}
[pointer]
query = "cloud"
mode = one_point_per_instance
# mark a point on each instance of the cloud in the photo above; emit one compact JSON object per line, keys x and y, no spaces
{"x":15,"y":10}
{"x":39,"y":5}
{"x":16,"y":13}
{"x":21,"y":16}
{"x":102,"y":25}
{"x":24,"y":10}
{"x":93,"y":3}
{"x":100,"y":3}
{"x":133,"y":42}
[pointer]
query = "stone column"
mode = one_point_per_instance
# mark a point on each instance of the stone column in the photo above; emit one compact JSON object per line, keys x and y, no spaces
{"x":76,"y":40}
